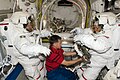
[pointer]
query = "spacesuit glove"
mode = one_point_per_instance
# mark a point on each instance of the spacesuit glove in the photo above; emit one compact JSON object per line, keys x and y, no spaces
{"x":39,"y":49}
{"x":78,"y":39}
{"x":77,"y":30}
{"x":45,"y":50}
{"x":45,"y":33}
{"x":35,"y":32}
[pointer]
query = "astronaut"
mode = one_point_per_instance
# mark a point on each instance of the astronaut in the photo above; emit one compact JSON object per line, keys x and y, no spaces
{"x":20,"y":44}
{"x":112,"y":32}
{"x":111,"y":28}
{"x":100,"y":45}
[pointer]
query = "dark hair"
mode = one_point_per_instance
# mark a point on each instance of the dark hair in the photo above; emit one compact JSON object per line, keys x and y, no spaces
{"x":101,"y":26}
{"x":54,"y":38}
{"x":29,"y":19}
{"x":97,"y":20}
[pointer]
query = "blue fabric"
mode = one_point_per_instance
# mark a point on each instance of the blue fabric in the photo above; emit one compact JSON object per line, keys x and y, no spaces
{"x":61,"y":74}
{"x":14,"y":74}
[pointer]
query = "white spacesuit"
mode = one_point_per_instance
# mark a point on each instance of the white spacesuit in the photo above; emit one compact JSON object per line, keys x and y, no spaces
{"x":20,"y":44}
{"x":99,"y":45}
{"x":100,"y":49}
{"x":104,"y":54}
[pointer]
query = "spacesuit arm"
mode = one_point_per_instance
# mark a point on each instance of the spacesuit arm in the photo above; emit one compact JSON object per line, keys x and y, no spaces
{"x":87,"y":31}
{"x":45,"y":33}
{"x":99,"y":44}
{"x":30,"y":49}
{"x":77,"y":30}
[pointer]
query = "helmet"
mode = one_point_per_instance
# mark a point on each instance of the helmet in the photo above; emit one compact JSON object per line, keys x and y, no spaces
{"x":96,"y":22}
{"x":96,"y":26}
{"x":21,"y":20}
{"x":106,"y":18}
{"x":20,"y":17}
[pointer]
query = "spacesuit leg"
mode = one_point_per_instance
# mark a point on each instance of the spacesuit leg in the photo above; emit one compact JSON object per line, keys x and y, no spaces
{"x":90,"y":73}
{"x":33,"y":73}
{"x":42,"y":69}
{"x":39,"y":73}
{"x":80,"y":71}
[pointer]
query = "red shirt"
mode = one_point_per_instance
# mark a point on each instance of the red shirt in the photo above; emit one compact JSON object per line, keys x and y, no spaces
{"x":55,"y":59}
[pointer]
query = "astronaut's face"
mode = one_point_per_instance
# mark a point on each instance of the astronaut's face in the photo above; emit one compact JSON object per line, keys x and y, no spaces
{"x":29,"y":27}
{"x":96,"y":29}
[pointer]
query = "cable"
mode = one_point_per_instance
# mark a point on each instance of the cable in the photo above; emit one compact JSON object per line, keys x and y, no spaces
{"x":38,"y":38}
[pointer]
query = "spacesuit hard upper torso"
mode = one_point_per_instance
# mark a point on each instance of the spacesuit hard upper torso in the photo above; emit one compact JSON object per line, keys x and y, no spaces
{"x":105,"y":54}
{"x":105,"y":35}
